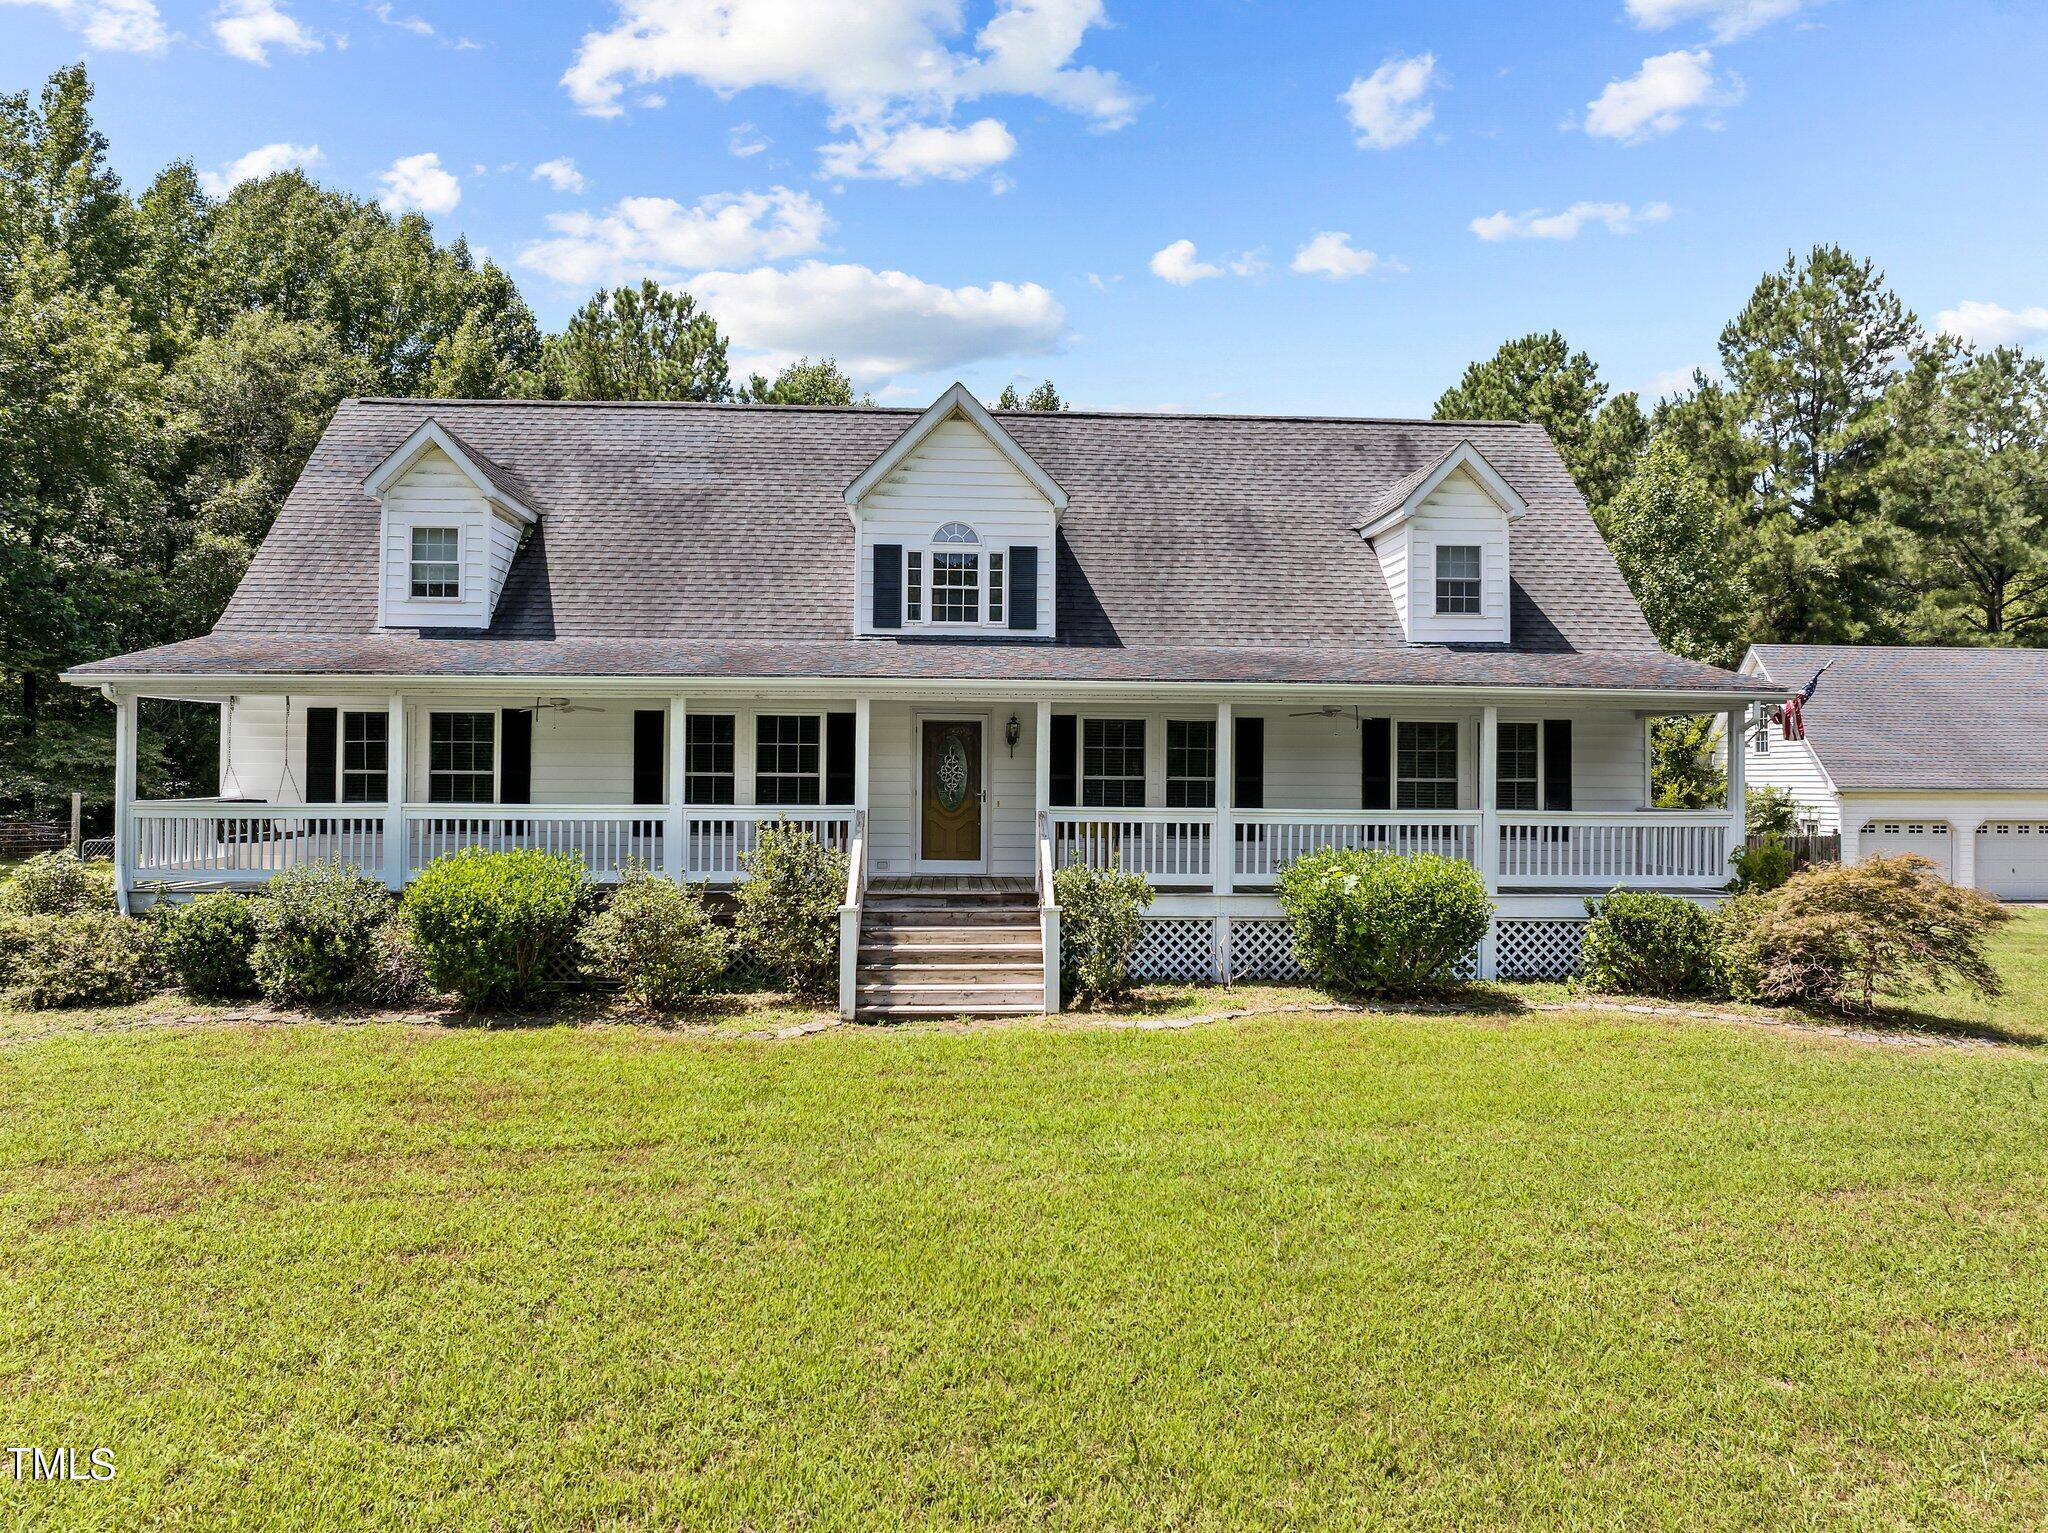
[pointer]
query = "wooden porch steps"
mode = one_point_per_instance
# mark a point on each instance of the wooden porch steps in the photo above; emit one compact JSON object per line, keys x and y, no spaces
{"x":952,"y":948}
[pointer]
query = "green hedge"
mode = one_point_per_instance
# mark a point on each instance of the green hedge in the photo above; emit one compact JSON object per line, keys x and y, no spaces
{"x":1381,"y":924}
{"x":491,"y":926}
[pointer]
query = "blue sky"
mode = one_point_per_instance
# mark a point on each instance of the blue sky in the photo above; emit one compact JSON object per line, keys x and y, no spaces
{"x":1371,"y":195}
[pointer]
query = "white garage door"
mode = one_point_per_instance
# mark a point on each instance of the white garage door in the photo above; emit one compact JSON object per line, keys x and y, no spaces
{"x":2012,"y":860}
{"x":1891,"y":837}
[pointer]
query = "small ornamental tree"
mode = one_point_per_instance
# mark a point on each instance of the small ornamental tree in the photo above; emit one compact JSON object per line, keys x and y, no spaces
{"x":1770,"y":811}
{"x":1843,"y":935}
{"x":492,"y":926}
{"x":789,"y":907}
{"x":1381,"y":924}
{"x":1102,"y":918}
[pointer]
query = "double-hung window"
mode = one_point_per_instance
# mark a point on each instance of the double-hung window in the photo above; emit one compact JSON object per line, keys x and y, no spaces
{"x":436,"y":562}
{"x":1457,"y":580}
{"x":788,"y":759}
{"x":462,"y":758}
{"x":1113,"y":763}
{"x":708,"y":771}
{"x":1518,"y":776}
{"x":1190,"y":764}
{"x":1426,"y":766}
{"x":365,"y":757}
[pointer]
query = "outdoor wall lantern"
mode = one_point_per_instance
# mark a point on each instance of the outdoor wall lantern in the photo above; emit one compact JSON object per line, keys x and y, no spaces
{"x":1011,"y":731}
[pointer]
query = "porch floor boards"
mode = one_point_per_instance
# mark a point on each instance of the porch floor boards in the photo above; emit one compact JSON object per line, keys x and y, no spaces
{"x":949,"y":884}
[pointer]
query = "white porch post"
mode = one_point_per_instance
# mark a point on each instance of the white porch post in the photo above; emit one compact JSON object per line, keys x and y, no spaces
{"x":674,"y":822}
{"x":1223,"y":859}
{"x":1489,"y":830}
{"x":1737,"y":735}
{"x":1041,"y":804}
{"x":861,"y":737}
{"x":397,"y":764}
{"x":1041,"y":742}
{"x":124,"y":797}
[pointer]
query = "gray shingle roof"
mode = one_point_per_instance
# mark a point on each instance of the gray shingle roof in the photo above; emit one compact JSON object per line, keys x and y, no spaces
{"x":1395,"y":495}
{"x":715,"y":537}
{"x":1922,"y":717}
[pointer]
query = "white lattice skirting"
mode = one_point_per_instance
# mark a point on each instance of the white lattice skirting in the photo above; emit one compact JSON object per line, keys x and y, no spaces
{"x":1176,"y":947}
{"x":1539,"y":949}
{"x":1262,"y":947}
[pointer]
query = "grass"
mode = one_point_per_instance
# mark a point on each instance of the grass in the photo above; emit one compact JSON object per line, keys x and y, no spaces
{"x":1557,"y":1268}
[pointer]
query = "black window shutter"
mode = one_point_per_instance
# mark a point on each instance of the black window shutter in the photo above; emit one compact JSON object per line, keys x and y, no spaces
{"x":1375,"y":756}
{"x":515,"y":765}
{"x":888,"y":585}
{"x":1024,"y":586}
{"x":321,"y":771}
{"x":1066,"y":762}
{"x":1557,"y":764}
{"x":649,"y":725}
{"x":838,"y":758}
{"x":1248,"y":763}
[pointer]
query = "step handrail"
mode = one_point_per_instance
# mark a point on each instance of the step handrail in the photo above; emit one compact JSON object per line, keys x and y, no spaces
{"x":850,"y":914}
{"x":1048,"y":914}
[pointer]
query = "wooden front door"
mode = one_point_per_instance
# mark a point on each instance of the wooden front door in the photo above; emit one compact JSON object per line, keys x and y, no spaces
{"x":951,"y":830}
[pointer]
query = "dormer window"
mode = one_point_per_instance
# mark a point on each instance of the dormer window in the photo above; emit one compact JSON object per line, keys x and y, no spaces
{"x":959,"y":575}
{"x":1457,"y":579}
{"x":436,"y":563}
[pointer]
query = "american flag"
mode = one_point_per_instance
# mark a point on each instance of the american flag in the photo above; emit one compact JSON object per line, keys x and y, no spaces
{"x":1792,"y":716}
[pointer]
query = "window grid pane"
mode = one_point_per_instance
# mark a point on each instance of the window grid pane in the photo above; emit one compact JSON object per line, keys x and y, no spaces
{"x":460,"y":750}
{"x":1516,"y":785}
{"x":995,"y":587}
{"x":913,"y":587}
{"x":1426,"y":766}
{"x":708,"y":774}
{"x":436,"y":566}
{"x":365,"y":757}
{"x":956,"y":588}
{"x":787,"y":759}
{"x":1190,"y":764}
{"x":1457,"y":580}
{"x":1113,"y":763}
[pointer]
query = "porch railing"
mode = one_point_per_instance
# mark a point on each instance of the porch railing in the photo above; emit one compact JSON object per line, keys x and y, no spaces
{"x":1669,"y":849}
{"x":232,"y":843}
{"x":715,"y":840}
{"x":1168,"y":846}
{"x":605,"y":838}
{"x":1269,"y":839}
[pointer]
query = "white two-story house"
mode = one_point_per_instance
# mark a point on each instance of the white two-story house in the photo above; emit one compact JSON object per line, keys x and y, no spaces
{"x":967,"y":646}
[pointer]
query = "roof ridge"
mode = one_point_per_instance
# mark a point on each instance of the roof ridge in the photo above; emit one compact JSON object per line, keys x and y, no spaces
{"x":422,"y":401}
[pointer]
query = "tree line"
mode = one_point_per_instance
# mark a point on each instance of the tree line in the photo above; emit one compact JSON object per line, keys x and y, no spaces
{"x":168,"y":360}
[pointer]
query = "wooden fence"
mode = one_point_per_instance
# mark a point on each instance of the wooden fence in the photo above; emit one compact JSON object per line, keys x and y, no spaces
{"x":1808,"y":850}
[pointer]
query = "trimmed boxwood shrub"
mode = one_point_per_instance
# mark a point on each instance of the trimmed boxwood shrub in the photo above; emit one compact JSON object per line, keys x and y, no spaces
{"x":1383,"y":924}
{"x":1650,"y":944}
{"x":656,"y":940}
{"x":492,"y":926}
{"x":316,"y":933}
{"x":85,"y":958}
{"x":1102,"y":920}
{"x":207,"y":944}
{"x":56,"y":884}
{"x":788,"y":916}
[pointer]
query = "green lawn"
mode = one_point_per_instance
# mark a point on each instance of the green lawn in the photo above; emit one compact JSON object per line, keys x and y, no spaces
{"x":1513,"y":1268}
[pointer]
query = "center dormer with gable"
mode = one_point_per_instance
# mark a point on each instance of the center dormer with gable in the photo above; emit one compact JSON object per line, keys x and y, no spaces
{"x":965,"y":646}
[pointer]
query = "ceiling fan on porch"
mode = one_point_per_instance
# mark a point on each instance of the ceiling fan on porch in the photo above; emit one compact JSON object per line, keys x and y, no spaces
{"x":1330,"y":712}
{"x":564,"y":705}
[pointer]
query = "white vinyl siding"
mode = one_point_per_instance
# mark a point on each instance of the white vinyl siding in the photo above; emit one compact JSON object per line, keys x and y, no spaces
{"x":1457,"y":514}
{"x":956,"y":474}
{"x":1791,"y":765}
{"x":893,"y":805}
{"x":434,"y":493}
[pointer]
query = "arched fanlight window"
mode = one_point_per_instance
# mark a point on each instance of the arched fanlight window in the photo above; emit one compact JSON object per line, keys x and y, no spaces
{"x":966,"y":583}
{"x":955,"y":532}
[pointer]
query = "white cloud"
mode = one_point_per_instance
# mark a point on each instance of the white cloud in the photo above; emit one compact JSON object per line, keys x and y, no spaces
{"x":915,"y":151}
{"x":1330,"y":254}
{"x":877,"y":323}
{"x":1390,"y":106}
{"x":1177,"y":264}
{"x":659,"y":237}
{"x":417,"y":183}
{"x":1657,"y":97}
{"x":119,"y":26}
{"x":419,"y":26}
{"x":561,"y":174}
{"x":890,"y":70}
{"x":1674,"y":381}
{"x":1615,"y":217}
{"x":746,"y":141}
{"x":258,"y":163}
{"x":1993,"y":324}
{"x":1725,"y":19}
{"x":249,"y":29}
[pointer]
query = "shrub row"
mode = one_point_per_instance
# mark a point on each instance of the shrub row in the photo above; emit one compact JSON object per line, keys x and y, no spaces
{"x":1837,"y":936}
{"x":490,"y":928}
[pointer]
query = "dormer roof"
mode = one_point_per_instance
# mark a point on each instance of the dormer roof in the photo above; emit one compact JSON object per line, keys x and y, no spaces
{"x":493,"y":481}
{"x":956,"y":401}
{"x":1404,"y":497}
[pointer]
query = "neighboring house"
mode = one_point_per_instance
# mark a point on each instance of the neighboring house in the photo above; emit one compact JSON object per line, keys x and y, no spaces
{"x":966,"y":647}
{"x":1922,"y":749}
